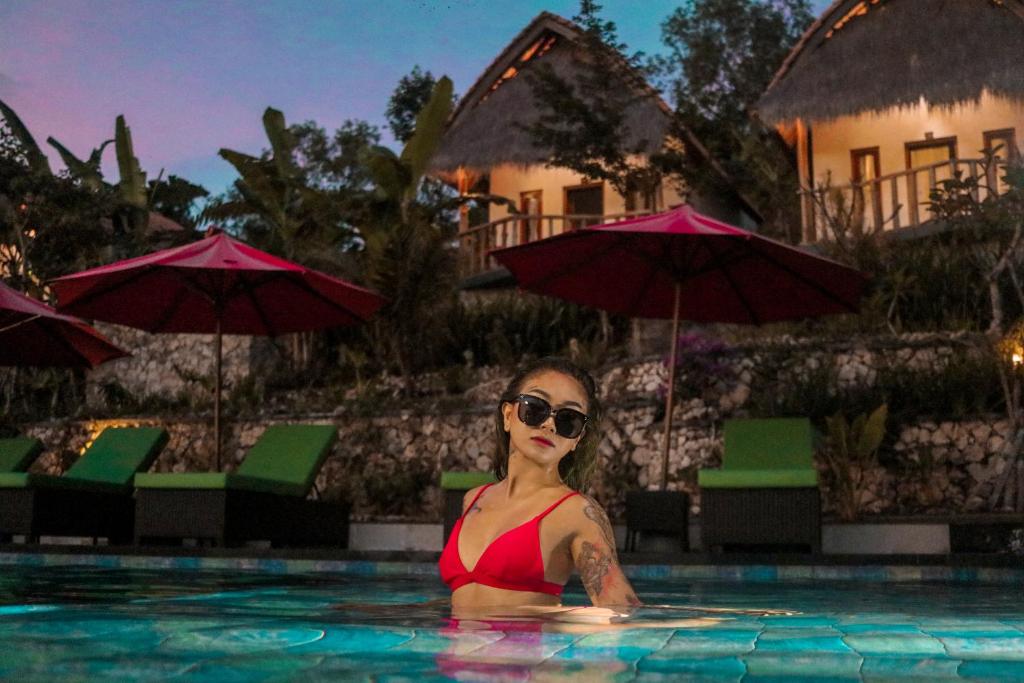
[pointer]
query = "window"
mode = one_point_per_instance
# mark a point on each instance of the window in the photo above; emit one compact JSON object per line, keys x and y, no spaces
{"x":586,"y":201}
{"x":1003,"y":145}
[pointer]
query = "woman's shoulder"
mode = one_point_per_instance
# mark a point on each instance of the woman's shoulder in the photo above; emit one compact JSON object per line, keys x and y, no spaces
{"x":471,"y":495}
{"x":586,"y":511}
{"x":582,"y":504}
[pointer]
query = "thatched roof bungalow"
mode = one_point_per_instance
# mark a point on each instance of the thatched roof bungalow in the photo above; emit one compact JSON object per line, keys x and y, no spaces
{"x":485,"y":129}
{"x":878,"y":88}
{"x":485,"y":139}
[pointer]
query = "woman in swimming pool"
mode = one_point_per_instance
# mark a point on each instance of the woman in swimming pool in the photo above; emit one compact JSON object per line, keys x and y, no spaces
{"x":519,"y":540}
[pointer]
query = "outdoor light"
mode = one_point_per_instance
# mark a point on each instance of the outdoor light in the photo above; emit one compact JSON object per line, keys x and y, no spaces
{"x":95,"y":427}
{"x":1017,"y":358}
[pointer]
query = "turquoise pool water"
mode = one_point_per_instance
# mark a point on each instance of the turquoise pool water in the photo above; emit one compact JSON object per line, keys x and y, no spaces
{"x":90,"y":623}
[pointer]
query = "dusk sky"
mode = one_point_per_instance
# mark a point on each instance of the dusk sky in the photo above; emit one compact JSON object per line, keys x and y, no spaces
{"x":193,"y":76}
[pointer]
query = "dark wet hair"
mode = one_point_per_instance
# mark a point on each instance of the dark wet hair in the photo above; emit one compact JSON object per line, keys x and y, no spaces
{"x":577,"y":466}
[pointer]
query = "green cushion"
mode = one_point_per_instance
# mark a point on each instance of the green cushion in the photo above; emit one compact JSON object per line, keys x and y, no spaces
{"x":209,"y":480}
{"x":17,"y":453}
{"x":290,"y":455}
{"x":778,"y":443}
{"x":755,"y":479}
{"x":14,"y":480}
{"x":284,"y":460}
{"x":117,"y":454}
{"x":465,"y":480}
{"x":24,"y":480}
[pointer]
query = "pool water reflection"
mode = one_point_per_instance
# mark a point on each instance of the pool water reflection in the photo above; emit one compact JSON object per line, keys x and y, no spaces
{"x":80,"y":623}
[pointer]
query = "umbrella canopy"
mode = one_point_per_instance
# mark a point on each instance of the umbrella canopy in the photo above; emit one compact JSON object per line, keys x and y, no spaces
{"x":217,"y":285}
{"x":725,"y":273}
{"x":33,"y":334}
{"x":682,"y":264}
{"x":215,"y":281}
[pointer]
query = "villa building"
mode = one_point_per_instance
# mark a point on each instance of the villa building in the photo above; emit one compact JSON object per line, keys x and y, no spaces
{"x":883,"y":99}
{"x":486,"y":144}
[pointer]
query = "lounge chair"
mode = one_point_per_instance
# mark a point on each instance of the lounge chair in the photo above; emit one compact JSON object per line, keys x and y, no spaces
{"x":766,"y":493}
{"x":455,"y":485}
{"x":264,"y":500}
{"x":93,"y":498}
{"x":18,"y":453}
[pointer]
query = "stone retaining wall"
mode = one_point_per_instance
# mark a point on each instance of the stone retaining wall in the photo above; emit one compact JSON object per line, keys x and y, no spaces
{"x":170,"y":365}
{"x":388,"y":464}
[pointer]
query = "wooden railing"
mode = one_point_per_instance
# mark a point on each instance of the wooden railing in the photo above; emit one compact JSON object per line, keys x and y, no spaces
{"x":476,"y":243}
{"x":891,"y":202}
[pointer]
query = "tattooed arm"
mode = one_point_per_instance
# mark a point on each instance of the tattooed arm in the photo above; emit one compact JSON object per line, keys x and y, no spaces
{"x":593,"y":553}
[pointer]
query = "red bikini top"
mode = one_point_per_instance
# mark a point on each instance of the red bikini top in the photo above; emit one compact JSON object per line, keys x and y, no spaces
{"x":512,"y":561}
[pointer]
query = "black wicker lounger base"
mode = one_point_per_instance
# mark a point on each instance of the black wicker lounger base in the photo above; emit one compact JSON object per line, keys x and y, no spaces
{"x":230,"y":516}
{"x":782,"y":518}
{"x":35,"y":512}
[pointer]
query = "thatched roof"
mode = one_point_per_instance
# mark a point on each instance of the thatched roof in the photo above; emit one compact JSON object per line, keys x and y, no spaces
{"x":484,"y":130}
{"x":871,"y":55}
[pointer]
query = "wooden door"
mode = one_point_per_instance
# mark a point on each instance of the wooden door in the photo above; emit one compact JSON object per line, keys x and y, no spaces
{"x":866,"y":167}
{"x":531,"y":204}
{"x":930,"y":155}
{"x":585,"y":200}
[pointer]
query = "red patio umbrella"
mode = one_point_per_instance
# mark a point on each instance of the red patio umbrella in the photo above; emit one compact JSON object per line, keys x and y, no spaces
{"x":217,"y":285}
{"x":33,"y":334}
{"x":682,"y":264}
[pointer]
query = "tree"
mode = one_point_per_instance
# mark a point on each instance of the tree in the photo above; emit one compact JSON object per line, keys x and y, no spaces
{"x":990,"y":225}
{"x":583,"y":120}
{"x":50,"y":224}
{"x":10,"y":147}
{"x":129,"y":202}
{"x":335,"y":162}
{"x":408,"y":258}
{"x":306,"y":196}
{"x":407,"y":100}
{"x":176,"y":198}
{"x":268,"y":192}
{"x":722,"y":56}
{"x":28,"y":150}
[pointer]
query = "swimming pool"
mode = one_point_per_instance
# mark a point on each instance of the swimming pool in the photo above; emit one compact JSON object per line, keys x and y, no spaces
{"x":92,"y":623}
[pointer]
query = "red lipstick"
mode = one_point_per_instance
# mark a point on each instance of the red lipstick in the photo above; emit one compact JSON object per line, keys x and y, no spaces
{"x":542,"y":440}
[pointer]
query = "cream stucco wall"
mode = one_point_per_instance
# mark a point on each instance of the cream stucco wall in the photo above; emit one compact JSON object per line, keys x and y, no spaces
{"x":832,"y":141}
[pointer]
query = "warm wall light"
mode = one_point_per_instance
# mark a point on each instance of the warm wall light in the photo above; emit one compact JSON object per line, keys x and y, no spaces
{"x":1017,"y":359}
{"x":96,"y":427}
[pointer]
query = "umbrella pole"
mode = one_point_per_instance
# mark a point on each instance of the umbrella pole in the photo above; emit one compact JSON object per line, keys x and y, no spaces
{"x":670,"y":395}
{"x":216,"y":396}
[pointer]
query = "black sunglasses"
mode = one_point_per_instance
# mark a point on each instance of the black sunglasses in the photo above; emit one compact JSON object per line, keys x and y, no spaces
{"x":533,"y":411}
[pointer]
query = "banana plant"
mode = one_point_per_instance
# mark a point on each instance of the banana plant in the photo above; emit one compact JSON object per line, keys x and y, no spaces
{"x":851,"y":451}
{"x":37,"y":161}
{"x":398,"y":176}
{"x":267,"y":188}
{"x":132,"y":185}
{"x":88,"y":171}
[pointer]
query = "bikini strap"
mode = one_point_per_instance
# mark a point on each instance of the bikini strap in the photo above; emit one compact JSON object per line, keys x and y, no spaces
{"x":476,"y":498}
{"x":556,"y":504}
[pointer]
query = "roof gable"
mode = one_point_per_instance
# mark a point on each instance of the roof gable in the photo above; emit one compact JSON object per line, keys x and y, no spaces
{"x":871,"y":55}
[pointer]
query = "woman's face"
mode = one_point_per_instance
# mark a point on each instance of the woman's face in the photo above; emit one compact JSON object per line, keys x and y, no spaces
{"x":542,"y":445}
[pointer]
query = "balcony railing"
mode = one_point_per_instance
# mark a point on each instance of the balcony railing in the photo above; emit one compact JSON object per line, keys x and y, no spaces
{"x":476,"y":243}
{"x":891,"y":202}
